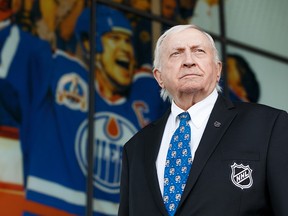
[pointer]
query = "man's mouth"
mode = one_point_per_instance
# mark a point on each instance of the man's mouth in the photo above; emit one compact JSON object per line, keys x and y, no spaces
{"x":122,"y":63}
{"x":190,"y":75}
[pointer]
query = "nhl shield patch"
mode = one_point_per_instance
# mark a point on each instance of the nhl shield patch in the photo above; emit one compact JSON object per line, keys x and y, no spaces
{"x":241,"y":176}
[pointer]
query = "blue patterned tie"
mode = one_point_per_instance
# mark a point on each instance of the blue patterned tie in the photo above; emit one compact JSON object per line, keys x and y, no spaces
{"x":177,"y":165}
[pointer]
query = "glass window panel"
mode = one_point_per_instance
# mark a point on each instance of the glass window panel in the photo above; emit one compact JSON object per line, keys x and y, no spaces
{"x":262,"y":24}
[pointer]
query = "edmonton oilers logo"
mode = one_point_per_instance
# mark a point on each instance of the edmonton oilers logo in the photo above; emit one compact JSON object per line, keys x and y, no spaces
{"x":111,"y":132}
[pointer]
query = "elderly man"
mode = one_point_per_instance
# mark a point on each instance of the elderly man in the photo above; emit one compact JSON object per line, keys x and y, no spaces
{"x":224,"y":159}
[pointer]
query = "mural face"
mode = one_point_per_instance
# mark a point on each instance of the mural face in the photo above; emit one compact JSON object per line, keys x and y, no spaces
{"x":117,"y":58}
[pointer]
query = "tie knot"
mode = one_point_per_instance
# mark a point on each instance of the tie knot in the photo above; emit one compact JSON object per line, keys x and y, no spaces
{"x":184,"y":116}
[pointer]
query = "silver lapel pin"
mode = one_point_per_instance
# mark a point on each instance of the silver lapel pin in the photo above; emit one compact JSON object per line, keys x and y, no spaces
{"x":217,"y":124}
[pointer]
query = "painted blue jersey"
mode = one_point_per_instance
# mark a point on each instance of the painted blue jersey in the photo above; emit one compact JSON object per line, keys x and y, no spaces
{"x":22,"y":58}
{"x":52,"y":105}
{"x":26,"y":55}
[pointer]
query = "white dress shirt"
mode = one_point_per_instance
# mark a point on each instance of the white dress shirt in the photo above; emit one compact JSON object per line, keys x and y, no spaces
{"x":199,"y":114}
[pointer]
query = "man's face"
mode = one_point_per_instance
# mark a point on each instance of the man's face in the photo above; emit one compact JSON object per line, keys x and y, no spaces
{"x":117,"y":58}
{"x":188,"y":65}
{"x":141,"y":4}
{"x":168,"y":8}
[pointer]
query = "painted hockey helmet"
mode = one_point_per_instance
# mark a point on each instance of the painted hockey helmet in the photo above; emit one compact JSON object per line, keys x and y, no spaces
{"x":107,"y":20}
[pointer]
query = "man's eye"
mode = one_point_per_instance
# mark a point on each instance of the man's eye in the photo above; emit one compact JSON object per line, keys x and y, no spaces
{"x":200,"y":50}
{"x":175,"y":54}
{"x":116,"y":37}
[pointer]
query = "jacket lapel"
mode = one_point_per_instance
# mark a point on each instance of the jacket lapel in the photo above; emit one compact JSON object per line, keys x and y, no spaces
{"x":151,"y":152}
{"x":219,"y":120}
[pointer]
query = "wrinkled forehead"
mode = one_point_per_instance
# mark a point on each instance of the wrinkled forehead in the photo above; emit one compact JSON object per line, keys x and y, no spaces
{"x":188,"y":37}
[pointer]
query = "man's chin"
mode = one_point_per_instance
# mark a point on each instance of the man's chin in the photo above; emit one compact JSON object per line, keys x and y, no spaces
{"x":124,"y":77}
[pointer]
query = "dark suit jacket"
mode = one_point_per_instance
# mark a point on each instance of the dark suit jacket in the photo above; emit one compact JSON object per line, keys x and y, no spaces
{"x":240,"y":167}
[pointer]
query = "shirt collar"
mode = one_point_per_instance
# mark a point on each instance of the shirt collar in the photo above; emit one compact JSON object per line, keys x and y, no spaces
{"x":199,"y":112}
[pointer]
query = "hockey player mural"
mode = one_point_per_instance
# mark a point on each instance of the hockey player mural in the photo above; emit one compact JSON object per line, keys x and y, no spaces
{"x":122,"y":107}
{"x":53,"y":107}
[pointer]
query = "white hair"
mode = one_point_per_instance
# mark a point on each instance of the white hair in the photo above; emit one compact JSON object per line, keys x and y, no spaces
{"x":158,"y":51}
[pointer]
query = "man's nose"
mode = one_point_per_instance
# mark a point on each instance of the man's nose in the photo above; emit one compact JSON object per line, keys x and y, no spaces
{"x":189,"y":60}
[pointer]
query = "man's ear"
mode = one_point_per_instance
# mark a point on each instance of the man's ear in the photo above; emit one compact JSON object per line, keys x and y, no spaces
{"x":158,"y":76}
{"x":219,"y":70}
